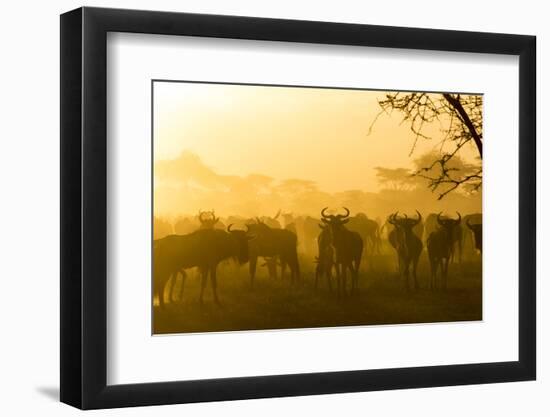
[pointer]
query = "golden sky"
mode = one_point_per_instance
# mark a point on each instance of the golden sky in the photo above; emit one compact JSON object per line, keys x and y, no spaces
{"x":285,"y":133}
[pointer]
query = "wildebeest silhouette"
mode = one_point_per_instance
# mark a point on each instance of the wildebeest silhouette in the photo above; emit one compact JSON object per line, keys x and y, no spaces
{"x":477,"y":230}
{"x":208,"y":220}
{"x":432,"y":225}
{"x":407,"y":245}
{"x":272,"y":222}
{"x":348,"y":249}
{"x":440,"y":248}
{"x":273,"y":243}
{"x":369,"y":231}
{"x":204,"y":249}
{"x":307,"y":229}
{"x":325,"y":258}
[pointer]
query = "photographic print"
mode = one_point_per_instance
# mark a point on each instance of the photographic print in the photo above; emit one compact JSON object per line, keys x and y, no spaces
{"x":281,"y":207}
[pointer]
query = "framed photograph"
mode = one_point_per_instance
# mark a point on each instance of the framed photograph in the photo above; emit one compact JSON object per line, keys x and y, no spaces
{"x":258,"y":208}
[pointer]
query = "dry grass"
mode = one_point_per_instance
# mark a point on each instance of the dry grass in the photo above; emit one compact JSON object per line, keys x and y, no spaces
{"x":275,"y":304}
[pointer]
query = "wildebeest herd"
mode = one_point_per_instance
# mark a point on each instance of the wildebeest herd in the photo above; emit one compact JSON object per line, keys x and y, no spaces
{"x":341,"y":244}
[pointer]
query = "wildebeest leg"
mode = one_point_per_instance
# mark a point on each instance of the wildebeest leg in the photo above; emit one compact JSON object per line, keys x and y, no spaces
{"x":439,"y":279}
{"x":366,"y":247}
{"x":293,"y":274}
{"x":406,"y":274}
{"x":317,"y":272}
{"x":204,"y":279}
{"x":252,"y":268}
{"x":356,"y":267}
{"x":414,"y":265}
{"x":173,"y":284}
{"x":354,"y":273}
{"x":183,"y":277}
{"x":401,"y":267}
{"x":167,"y":288}
{"x":328,"y":274}
{"x":159,"y":284}
{"x":444,"y":269}
{"x":344,"y":279}
{"x":213,"y":280}
{"x":398,"y":264}
{"x":295,"y":270}
{"x":351,"y":270}
{"x":338,"y":280}
{"x":433,"y":269}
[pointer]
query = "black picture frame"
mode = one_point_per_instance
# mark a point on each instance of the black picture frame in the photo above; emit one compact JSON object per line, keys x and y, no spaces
{"x":84,"y":207}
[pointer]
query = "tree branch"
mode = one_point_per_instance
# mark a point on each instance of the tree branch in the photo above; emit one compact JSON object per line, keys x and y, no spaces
{"x":455,"y":102}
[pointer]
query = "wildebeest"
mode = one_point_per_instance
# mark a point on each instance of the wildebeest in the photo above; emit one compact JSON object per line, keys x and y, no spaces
{"x":432,"y":225}
{"x":272,"y":222}
{"x":407,"y":245}
{"x":273,"y":243}
{"x":289,"y":223}
{"x":477,"y":231}
{"x":204,"y":249}
{"x":348,"y":249}
{"x":271,"y":264}
{"x":440,"y":248}
{"x":325,"y":258}
{"x":387,"y":228}
{"x":469,"y":248}
{"x":368,"y":230}
{"x":208,"y":220}
{"x":307,"y":229}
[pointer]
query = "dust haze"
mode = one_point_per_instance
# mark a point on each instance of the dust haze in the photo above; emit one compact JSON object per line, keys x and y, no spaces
{"x":278,"y":207}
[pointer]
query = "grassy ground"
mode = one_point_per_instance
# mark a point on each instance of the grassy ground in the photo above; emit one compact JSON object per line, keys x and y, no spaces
{"x":274,"y":304}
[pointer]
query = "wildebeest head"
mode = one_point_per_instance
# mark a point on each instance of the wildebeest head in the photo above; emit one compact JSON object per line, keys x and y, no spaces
{"x":449,"y":225}
{"x":334,"y":221}
{"x":271,"y":221}
{"x":259,"y":227}
{"x":241,"y":237}
{"x":476,"y":229}
{"x":404,"y":223}
{"x":402,"y":237}
{"x":447,"y":222}
{"x":208,"y":219}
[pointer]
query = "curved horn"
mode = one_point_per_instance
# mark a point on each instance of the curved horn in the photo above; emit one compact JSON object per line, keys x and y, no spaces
{"x":277,"y":215}
{"x":201,"y":213}
{"x":258,"y":220}
{"x":439,"y":218}
{"x":229,"y":227}
{"x":347,"y":212}
{"x":419,"y":217}
{"x":391,"y":218}
{"x":325,"y":216}
{"x":457,"y":221}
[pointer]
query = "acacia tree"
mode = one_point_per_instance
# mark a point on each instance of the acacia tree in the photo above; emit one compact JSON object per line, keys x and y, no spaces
{"x":396,"y":178}
{"x":461,"y":119}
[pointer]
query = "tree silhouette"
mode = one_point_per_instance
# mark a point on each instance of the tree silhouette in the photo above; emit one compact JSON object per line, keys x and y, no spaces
{"x":460,"y":116}
{"x":395,"y":178}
